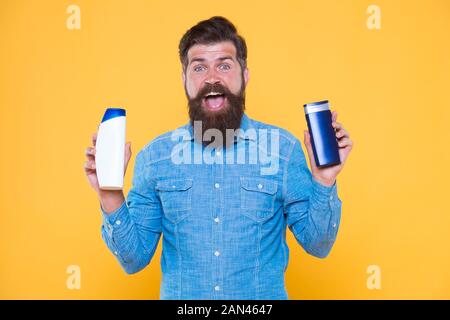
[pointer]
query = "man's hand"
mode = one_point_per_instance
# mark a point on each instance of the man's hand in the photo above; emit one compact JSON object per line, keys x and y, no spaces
{"x":109,"y":199}
{"x":327,"y":176}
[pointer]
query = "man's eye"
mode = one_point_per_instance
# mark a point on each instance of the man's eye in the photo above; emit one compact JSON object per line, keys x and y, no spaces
{"x":224,"y":67}
{"x":199,"y":68}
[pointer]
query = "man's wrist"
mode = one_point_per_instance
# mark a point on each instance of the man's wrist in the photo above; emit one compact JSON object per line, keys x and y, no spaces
{"x":111,"y":200}
{"x":325,"y":182}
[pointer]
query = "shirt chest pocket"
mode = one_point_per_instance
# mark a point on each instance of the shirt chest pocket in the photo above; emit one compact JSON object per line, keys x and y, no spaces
{"x":176,"y":198}
{"x":258,"y":198}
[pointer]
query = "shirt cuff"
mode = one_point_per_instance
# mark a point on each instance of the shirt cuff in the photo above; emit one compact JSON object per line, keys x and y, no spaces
{"x":116,"y":217}
{"x":322,"y":194}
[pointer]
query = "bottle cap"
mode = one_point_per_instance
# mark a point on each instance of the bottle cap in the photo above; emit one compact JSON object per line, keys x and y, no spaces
{"x":316,"y":106}
{"x":113,"y":113}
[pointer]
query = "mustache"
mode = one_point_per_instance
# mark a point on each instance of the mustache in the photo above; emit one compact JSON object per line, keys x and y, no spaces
{"x":212,"y":88}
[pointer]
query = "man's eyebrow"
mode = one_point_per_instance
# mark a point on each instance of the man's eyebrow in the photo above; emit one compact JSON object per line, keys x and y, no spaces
{"x":197,"y":59}
{"x":226,"y":58}
{"x":220,"y":58}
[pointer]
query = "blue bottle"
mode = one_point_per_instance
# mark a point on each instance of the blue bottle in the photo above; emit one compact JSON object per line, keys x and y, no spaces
{"x":323,"y":137}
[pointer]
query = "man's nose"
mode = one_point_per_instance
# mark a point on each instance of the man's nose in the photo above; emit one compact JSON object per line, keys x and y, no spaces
{"x":212,"y":78}
{"x":212,"y":81}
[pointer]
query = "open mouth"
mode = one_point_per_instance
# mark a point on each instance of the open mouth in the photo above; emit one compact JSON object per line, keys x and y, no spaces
{"x":214,"y":101}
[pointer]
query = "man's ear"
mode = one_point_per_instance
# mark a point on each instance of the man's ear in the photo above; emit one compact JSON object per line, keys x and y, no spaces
{"x":183,"y":77}
{"x":246,"y":76}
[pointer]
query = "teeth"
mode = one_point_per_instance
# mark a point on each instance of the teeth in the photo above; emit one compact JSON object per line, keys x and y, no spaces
{"x":213,"y":94}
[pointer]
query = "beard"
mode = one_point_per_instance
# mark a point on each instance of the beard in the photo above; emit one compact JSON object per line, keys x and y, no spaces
{"x":229,"y":116}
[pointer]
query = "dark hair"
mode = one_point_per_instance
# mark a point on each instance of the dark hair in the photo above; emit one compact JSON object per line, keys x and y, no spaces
{"x":213,"y":30}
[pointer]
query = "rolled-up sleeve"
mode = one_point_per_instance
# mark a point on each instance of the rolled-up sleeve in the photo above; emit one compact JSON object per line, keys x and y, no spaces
{"x":313,"y":210}
{"x":132,"y":231}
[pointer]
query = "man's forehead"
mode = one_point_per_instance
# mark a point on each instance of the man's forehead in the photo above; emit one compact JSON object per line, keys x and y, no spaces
{"x":212,"y":51}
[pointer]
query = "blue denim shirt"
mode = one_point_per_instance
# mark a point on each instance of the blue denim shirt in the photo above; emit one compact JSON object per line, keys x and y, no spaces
{"x":223,"y":222}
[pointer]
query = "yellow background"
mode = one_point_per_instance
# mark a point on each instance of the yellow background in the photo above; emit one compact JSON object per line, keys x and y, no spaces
{"x":390,"y":87}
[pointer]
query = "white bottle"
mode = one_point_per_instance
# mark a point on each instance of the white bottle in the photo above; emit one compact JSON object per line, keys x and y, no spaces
{"x":110,"y":150}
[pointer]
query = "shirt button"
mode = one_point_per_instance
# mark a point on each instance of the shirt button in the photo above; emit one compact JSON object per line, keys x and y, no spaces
{"x":334,"y":225}
{"x":115,"y":252}
{"x":217,"y":219}
{"x":260,"y":186}
{"x":118,"y":222}
{"x":217,"y":288}
{"x":218,"y":153}
{"x":217,"y":186}
{"x":217,"y":253}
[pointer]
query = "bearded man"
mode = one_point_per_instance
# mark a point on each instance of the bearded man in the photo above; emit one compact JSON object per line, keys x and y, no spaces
{"x":222,"y":217}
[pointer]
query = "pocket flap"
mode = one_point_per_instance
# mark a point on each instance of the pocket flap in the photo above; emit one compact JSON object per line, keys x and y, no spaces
{"x":174,"y":185}
{"x":259,"y":185}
